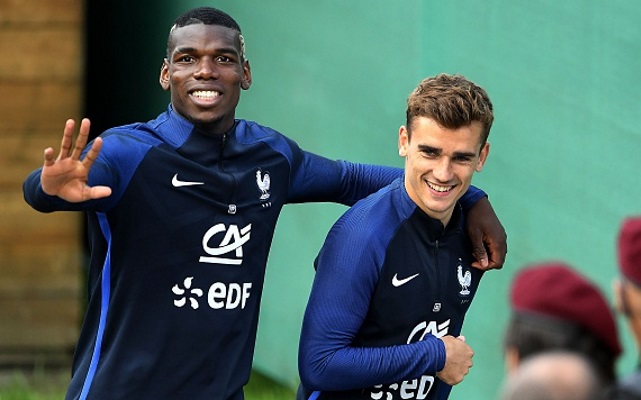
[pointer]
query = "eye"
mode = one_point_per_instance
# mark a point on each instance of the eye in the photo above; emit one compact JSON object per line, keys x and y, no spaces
{"x":185,"y":58}
{"x":463,"y":159}
{"x":223,"y":59}
{"x":430,"y":153}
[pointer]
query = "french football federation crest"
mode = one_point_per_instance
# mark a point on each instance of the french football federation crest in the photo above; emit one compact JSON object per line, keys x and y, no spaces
{"x":464,"y":279}
{"x":263,"y":182}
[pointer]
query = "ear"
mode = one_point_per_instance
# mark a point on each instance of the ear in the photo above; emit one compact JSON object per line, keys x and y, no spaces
{"x":617,"y":295}
{"x":483,"y":157}
{"x":403,"y":141}
{"x":164,"y":75}
{"x":246,"y":82}
{"x":511,"y":360}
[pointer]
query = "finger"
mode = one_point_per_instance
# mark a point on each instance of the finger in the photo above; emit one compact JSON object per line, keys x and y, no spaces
{"x":98,"y":192}
{"x":478,"y":248}
{"x":93,"y":152}
{"x":67,"y":138}
{"x":498,"y":251}
{"x":480,"y":253}
{"x":81,"y":140}
{"x":48,"y":155}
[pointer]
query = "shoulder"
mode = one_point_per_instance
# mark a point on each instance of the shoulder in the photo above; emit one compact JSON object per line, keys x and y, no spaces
{"x":127,"y":140}
{"x":357,"y":244}
{"x":376,"y":218}
{"x":252,"y":131}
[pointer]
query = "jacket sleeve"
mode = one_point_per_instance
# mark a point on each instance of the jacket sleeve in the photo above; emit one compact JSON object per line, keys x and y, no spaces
{"x":346,"y":276}
{"x":318,"y":179}
{"x":470,"y":197}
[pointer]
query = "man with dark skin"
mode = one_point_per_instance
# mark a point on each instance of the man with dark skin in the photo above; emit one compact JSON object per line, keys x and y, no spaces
{"x":180,"y":225}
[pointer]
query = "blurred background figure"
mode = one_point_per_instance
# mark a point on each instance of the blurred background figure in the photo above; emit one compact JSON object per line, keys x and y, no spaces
{"x":553,"y":375}
{"x":627,"y":297}
{"x":554,"y":307}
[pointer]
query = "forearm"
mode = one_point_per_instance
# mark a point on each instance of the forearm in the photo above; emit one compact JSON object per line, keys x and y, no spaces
{"x":365,"y":179}
{"x":318,"y":179}
{"x":359,"y":367}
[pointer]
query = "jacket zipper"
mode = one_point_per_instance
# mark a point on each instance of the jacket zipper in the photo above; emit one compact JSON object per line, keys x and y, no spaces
{"x":231,"y":207}
{"x":437,"y":304}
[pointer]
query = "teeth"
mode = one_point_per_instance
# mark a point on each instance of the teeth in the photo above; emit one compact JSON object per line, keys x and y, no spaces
{"x":439,"y":188}
{"x":206,"y":94}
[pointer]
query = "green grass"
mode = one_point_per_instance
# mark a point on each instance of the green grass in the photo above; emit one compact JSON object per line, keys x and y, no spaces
{"x":33,"y":385}
{"x":261,"y":387}
{"x":51,"y":385}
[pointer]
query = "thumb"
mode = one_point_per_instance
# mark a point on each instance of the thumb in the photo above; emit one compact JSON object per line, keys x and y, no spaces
{"x":462,"y":338}
{"x":478,"y":248}
{"x":480,"y":253}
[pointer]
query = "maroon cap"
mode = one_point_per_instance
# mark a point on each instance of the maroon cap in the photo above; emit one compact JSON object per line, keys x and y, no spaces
{"x":630,"y":249}
{"x":556,"y":290}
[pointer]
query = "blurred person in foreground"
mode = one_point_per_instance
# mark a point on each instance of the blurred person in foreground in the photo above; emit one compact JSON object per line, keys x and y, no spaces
{"x":554,"y":307}
{"x":394,"y":277}
{"x":553,"y":375}
{"x":627,"y":297}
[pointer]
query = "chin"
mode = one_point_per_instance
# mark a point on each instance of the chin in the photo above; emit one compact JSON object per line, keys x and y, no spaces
{"x":438,"y":207}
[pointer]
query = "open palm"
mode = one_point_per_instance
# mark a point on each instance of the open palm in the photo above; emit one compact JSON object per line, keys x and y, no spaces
{"x":67,"y":175}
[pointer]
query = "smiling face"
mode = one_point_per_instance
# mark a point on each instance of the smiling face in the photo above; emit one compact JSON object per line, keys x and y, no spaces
{"x":205,"y":72}
{"x":440,"y":163}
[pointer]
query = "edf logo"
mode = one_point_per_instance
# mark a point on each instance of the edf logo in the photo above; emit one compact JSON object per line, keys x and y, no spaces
{"x":232,"y":242}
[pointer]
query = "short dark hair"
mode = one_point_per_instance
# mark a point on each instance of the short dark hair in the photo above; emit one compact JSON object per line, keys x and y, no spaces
{"x":207,"y":16}
{"x":452,"y":101}
{"x":532,"y":334}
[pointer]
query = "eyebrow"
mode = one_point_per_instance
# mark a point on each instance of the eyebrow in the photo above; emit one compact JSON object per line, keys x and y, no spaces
{"x":184,"y":49}
{"x":424,"y":147}
{"x":465,"y":154}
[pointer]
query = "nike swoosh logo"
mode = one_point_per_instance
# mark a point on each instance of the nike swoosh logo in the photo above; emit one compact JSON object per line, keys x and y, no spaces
{"x":178,"y":183}
{"x":400,"y":282}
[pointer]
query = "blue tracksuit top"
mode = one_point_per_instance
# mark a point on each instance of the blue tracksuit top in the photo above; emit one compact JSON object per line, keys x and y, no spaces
{"x":179,"y":250}
{"x":390,"y":281}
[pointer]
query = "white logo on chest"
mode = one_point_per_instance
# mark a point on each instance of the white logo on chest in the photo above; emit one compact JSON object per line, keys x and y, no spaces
{"x":175,"y":182}
{"x":263,"y":181}
{"x":465,"y":280}
{"x":232,"y":242}
{"x":400,"y":282}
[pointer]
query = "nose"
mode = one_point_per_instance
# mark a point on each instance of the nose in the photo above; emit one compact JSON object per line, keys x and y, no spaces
{"x":206,"y":69}
{"x":443,"y":170}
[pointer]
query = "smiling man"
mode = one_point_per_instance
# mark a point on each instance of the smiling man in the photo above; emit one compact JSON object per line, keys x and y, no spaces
{"x":181,"y":214}
{"x":395,"y":277}
{"x":205,"y":70}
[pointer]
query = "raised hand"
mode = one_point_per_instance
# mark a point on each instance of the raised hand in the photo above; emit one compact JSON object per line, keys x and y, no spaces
{"x":67,"y":175}
{"x":458,"y":360}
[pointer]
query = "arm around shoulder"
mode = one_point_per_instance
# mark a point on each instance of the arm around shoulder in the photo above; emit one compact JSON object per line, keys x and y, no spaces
{"x":484,"y":230}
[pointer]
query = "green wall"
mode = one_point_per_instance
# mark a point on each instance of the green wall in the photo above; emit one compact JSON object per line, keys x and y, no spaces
{"x":564,"y":160}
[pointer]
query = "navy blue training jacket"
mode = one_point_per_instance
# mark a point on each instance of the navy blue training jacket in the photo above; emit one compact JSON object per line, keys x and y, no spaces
{"x":390,"y":281}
